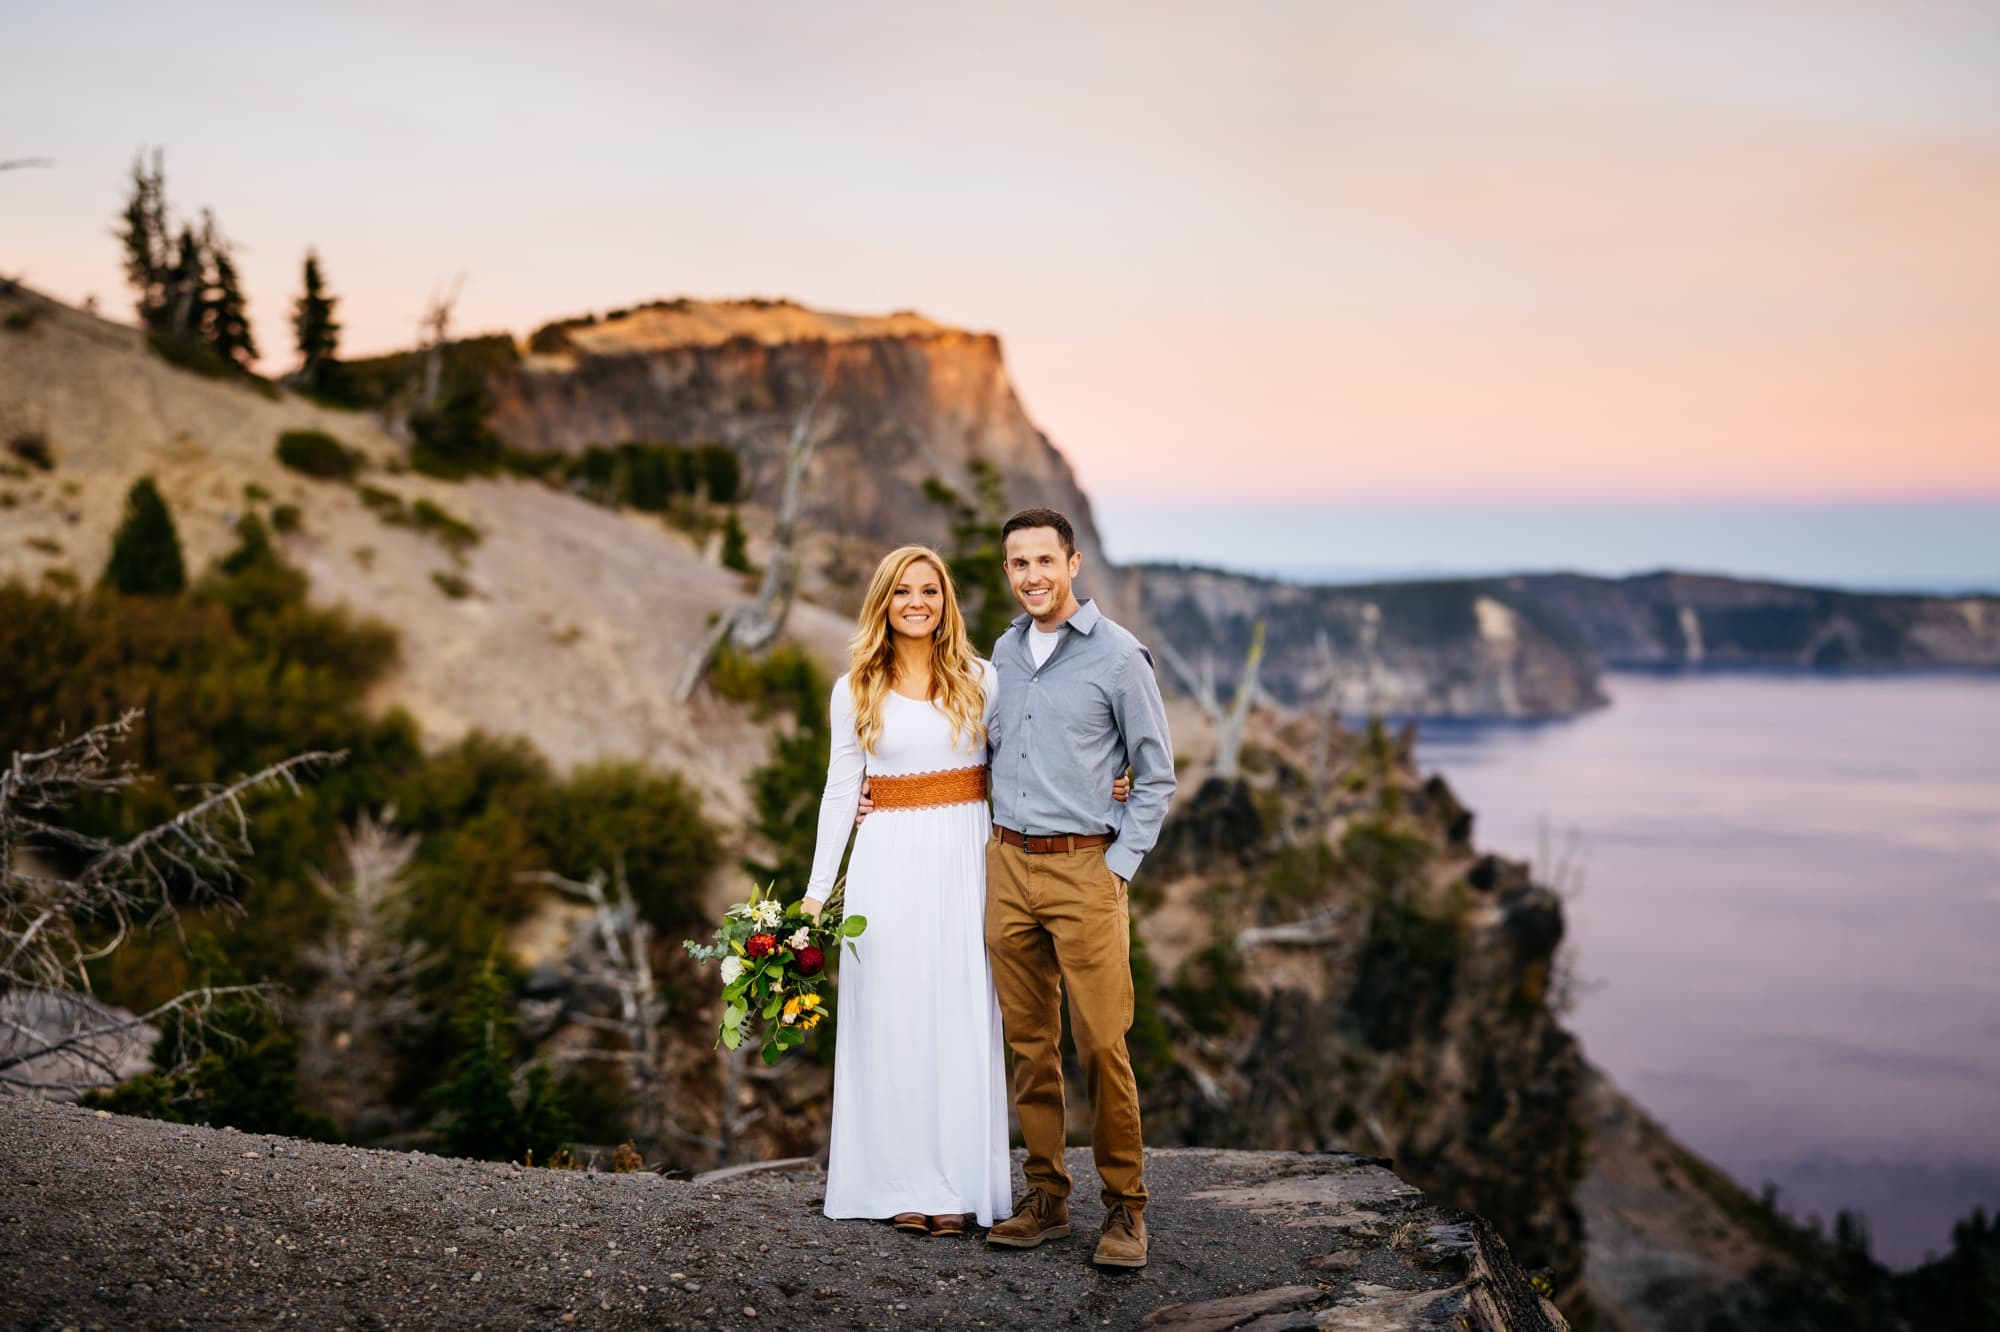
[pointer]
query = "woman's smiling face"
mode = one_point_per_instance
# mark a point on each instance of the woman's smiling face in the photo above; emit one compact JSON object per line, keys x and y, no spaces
{"x":916,"y":607}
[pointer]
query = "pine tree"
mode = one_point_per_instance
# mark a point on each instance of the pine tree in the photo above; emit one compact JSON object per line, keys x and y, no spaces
{"x":225,"y":322}
{"x":313,"y":326}
{"x":735,"y":549}
{"x":478,"y":1098}
{"x":184,"y":289}
{"x":454,"y":442}
{"x":146,"y":551}
{"x":148,"y":247}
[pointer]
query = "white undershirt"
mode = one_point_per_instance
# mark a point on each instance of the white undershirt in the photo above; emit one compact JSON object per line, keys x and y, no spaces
{"x":1040,"y":645}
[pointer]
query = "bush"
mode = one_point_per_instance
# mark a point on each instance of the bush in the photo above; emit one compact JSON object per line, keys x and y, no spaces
{"x":318,"y":455}
{"x":286,"y":518}
{"x":452,"y":585}
{"x":33,"y":449}
{"x":146,"y":550}
{"x":253,"y":1087}
{"x":455,"y":533}
{"x":453,"y":442}
{"x":735,"y":549}
{"x":195,"y":357}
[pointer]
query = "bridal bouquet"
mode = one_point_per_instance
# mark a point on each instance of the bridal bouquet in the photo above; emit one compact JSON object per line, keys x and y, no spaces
{"x":774,"y":967}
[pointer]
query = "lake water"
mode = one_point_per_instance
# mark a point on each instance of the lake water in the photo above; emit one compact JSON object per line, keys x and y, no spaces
{"x":1787,"y":922}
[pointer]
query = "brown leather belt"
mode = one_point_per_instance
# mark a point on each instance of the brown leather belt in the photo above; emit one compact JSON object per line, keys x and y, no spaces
{"x":1052,"y":844}
{"x":921,"y":790}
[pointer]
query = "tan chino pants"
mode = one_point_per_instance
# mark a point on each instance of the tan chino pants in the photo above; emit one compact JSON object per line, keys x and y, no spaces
{"x":1057,"y":923}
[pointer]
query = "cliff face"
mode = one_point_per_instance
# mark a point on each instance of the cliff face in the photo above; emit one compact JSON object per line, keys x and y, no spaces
{"x":907,"y":400}
{"x":1532,"y":645}
{"x":1449,"y":648}
{"x":1341,"y":970}
{"x":1680,"y":619}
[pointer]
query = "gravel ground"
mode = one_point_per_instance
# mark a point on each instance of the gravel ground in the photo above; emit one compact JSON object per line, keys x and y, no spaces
{"x":110,"y":1222}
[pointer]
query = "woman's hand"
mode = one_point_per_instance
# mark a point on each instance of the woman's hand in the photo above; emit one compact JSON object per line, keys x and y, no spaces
{"x":1122,"y":788}
{"x":812,"y":906}
{"x":867,"y":805}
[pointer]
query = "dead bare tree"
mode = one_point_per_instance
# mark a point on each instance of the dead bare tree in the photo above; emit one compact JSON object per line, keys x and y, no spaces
{"x":368,"y":969}
{"x":435,"y":331}
{"x":619,"y":960}
{"x":1228,"y":722}
{"x":55,"y":1035}
{"x":755,"y":625}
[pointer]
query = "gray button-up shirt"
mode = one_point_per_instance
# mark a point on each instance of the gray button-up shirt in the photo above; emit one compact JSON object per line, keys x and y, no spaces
{"x":1066,"y":729}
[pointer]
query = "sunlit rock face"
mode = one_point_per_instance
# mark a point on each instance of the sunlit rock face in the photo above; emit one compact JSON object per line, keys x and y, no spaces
{"x":902,"y":400}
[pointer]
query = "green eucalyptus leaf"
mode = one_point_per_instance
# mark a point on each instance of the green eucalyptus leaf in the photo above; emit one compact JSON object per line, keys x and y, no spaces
{"x":853,"y":925}
{"x":732,"y":1037}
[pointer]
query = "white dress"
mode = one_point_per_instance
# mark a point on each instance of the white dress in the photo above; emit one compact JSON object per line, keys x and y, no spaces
{"x":919,"y":1092}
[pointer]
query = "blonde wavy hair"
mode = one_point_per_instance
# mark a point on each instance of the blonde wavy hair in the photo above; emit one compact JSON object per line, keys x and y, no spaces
{"x":956,"y":683}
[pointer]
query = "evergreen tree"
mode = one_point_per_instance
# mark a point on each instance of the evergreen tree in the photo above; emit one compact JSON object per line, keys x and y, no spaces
{"x":547,"y":1125}
{"x":977,"y":560}
{"x":735,"y":550}
{"x":185,"y":289}
{"x":246,"y":1075}
{"x":146,"y":550}
{"x":313,"y":326}
{"x":478,"y":1098}
{"x":453,"y":442}
{"x":148,"y":246}
{"x":225,"y":321}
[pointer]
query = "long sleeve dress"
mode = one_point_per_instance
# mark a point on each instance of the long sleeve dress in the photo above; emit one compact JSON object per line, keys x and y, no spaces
{"x":919,"y":1092}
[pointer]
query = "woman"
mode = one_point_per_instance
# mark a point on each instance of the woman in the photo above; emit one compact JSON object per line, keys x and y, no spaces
{"x":919,"y":1096}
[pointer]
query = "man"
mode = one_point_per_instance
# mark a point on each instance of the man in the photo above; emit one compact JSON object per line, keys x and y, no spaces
{"x":1078,"y":705}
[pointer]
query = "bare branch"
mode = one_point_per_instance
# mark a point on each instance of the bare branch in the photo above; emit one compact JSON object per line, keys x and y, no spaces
{"x":755,"y":625}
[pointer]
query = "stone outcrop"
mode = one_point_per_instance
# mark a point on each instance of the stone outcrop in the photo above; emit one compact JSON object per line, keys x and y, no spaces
{"x":1452,"y":649}
{"x":909,"y":401}
{"x":138,"y":1223}
{"x":1533,"y":645}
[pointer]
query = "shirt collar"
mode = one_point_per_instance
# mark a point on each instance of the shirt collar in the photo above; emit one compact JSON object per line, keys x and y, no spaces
{"x":1086,"y":617}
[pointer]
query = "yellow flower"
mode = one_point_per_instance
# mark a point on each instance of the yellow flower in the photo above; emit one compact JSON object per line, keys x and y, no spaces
{"x":809,"y":1002}
{"x":810,"y":1023}
{"x":792,"y":1007}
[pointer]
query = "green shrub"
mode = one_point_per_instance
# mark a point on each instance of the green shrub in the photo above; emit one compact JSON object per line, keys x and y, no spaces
{"x":146,"y":550}
{"x":456,"y":534}
{"x":384,"y":504}
{"x":20,"y":319}
{"x":286,"y":518}
{"x":735,"y":549}
{"x":650,"y":822}
{"x":196,"y":357}
{"x":242,"y":1072}
{"x":452,"y":585}
{"x":318,"y":454}
{"x":33,"y":449}
{"x":454,"y":441}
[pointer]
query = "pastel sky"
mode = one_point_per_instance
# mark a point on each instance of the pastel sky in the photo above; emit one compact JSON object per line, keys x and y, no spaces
{"x":1331,"y":253}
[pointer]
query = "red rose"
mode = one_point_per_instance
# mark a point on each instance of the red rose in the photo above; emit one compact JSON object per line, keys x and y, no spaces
{"x":809,"y":961}
{"x":760,"y":945}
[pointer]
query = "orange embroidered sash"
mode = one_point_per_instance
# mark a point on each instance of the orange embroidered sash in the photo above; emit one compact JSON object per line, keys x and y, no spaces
{"x":955,"y":786}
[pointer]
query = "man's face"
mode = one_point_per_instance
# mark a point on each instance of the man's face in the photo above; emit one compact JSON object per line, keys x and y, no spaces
{"x":1040,"y":574}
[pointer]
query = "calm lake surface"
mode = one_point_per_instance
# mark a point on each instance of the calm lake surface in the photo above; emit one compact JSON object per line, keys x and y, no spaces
{"x":1787,"y":922}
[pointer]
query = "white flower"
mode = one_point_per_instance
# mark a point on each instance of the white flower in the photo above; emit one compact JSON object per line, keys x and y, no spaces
{"x":767,"y":913}
{"x":800,"y":938}
{"x":732,"y":967}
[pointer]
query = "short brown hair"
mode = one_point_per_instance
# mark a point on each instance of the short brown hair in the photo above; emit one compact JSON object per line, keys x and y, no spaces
{"x":1027,"y":518}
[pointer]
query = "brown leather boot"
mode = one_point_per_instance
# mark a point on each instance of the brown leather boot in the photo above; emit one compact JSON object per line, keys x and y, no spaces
{"x":1123,"y":1243}
{"x":1041,"y":1216}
